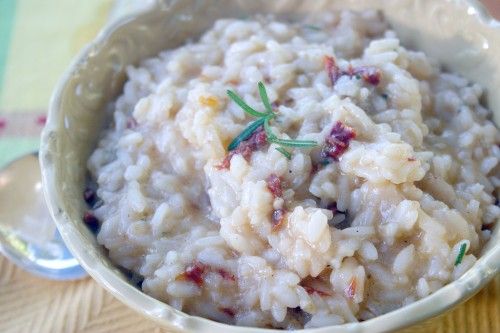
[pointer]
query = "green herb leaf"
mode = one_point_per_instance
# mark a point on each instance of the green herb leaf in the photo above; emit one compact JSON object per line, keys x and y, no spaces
{"x":267,"y":129}
{"x":312,"y":27}
{"x":245,"y":134}
{"x":237,"y":99}
{"x":271,"y":137}
{"x":265,"y":98}
{"x":284,"y":152}
{"x":461,"y":253}
{"x":294,"y":143}
{"x":264,"y":119}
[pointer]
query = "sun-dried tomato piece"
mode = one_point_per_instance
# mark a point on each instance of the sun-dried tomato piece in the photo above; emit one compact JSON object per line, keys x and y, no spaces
{"x":226,"y":162}
{"x":246,"y":148}
{"x":274,"y":185}
{"x":370,"y":74}
{"x":332,"y":69}
{"x":90,"y":219}
{"x":337,"y":142}
{"x":226,"y":275}
{"x":258,"y":139}
{"x":196,"y":272}
{"x":310,"y":290}
{"x":230,"y":312}
{"x":333,"y":207}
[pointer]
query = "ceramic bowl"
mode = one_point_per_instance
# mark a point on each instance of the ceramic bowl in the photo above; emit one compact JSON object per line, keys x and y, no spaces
{"x":458,"y":33}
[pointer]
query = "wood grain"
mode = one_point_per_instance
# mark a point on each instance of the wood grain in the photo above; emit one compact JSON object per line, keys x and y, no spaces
{"x":30,"y":304}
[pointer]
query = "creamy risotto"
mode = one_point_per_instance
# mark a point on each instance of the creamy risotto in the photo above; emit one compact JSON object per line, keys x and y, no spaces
{"x":292,"y":175}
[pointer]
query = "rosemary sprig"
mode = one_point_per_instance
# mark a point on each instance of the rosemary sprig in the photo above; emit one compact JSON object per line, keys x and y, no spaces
{"x":237,"y":99}
{"x":264,"y":98}
{"x":285,"y":152}
{"x":271,"y":137}
{"x":247,"y":132}
{"x":312,"y":27}
{"x":264,"y":119}
{"x":461,"y":253}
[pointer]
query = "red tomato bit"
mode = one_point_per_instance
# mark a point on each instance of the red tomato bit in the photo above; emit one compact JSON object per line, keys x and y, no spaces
{"x":196,"y":272}
{"x":278,"y":218}
{"x":226,"y":275}
{"x":332,"y":69}
{"x":311,"y":290}
{"x":230,"y":312}
{"x":90,"y":219}
{"x":256,"y":141}
{"x":370,"y":74}
{"x":337,"y":142}
{"x":274,"y":185}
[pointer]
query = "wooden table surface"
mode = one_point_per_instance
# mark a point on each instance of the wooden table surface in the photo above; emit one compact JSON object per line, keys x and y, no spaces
{"x":34,"y":305}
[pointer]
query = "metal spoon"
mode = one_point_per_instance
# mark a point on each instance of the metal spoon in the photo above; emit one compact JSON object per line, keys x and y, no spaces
{"x":28,"y":236}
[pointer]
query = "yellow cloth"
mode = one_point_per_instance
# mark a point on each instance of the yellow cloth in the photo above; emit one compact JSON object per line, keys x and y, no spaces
{"x":45,"y":36}
{"x":38,"y":40}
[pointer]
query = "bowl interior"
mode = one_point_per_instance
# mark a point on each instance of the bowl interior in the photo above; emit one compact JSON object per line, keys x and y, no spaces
{"x":460,"y":37}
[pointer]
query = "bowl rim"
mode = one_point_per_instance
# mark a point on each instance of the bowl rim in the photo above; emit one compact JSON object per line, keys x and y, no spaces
{"x":458,"y":291}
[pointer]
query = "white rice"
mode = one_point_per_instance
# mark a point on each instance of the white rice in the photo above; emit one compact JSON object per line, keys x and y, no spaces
{"x":418,"y":180}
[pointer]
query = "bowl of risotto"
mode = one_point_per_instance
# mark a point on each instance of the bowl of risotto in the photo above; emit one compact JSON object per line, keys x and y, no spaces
{"x":234,"y":166}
